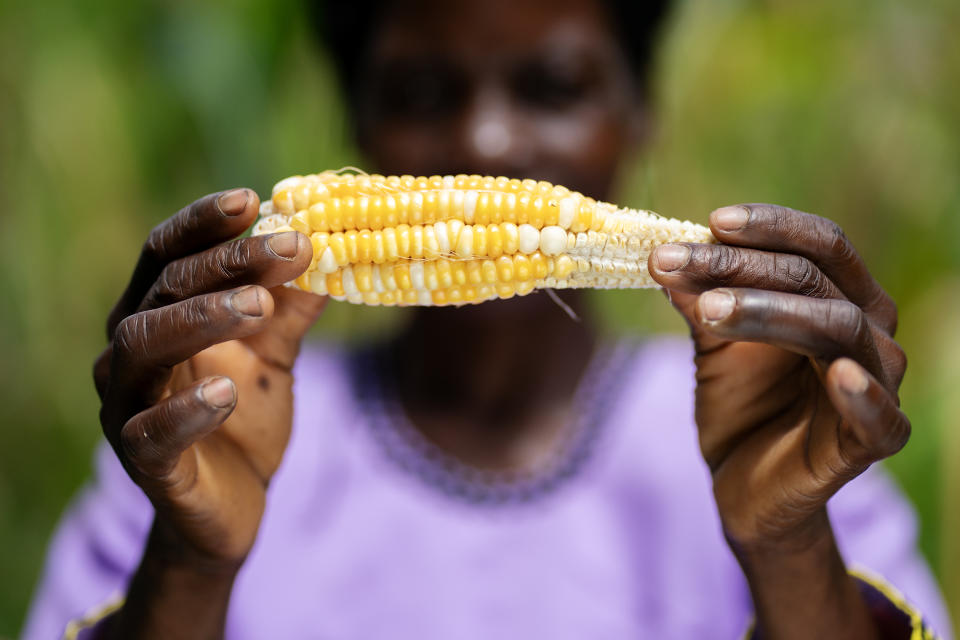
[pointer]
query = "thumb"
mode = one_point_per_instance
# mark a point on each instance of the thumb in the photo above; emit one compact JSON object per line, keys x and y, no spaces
{"x":294,"y":313}
{"x":686,"y":304}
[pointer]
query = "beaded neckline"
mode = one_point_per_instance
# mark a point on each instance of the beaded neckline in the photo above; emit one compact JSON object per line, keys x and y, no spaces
{"x":405,"y":446}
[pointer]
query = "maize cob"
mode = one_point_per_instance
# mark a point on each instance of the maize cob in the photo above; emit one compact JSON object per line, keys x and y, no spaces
{"x":454,"y":240}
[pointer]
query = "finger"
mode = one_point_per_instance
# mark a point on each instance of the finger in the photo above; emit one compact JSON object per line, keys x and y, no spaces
{"x":296,"y":311}
{"x":823,"y":329}
{"x":202,"y":224}
{"x":153,"y":440}
{"x":101,"y":371}
{"x":873,"y":427}
{"x":774,"y":228}
{"x":695,"y":268}
{"x":147,"y":345}
{"x":265,"y":260}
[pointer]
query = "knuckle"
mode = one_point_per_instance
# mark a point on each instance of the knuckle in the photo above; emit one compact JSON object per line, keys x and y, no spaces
{"x":130,"y":335}
{"x":724,"y":261}
{"x":846,"y":324}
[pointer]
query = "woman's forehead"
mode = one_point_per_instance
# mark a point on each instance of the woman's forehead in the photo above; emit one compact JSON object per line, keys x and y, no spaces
{"x":468,"y":30}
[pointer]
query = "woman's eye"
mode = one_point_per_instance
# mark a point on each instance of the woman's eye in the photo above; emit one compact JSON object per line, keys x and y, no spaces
{"x":552,"y":89}
{"x":417,"y":93}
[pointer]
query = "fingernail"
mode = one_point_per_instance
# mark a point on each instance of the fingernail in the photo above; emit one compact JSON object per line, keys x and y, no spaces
{"x":731,"y":218}
{"x":247,"y":302}
{"x":671,"y":257}
{"x":851,"y":378}
{"x":717,"y":305}
{"x":219,"y":392}
{"x":233,"y":203}
{"x":284,"y":244}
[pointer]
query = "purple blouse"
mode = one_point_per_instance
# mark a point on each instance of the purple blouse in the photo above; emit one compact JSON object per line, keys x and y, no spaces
{"x":370,"y":532}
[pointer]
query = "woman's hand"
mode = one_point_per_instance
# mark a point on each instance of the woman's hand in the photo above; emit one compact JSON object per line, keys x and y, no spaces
{"x":196,"y":382}
{"x":797,"y":374}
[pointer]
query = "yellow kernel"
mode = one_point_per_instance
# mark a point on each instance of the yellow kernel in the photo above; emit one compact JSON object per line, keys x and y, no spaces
{"x":338,"y":246}
{"x":494,"y":241}
{"x":415,"y":212}
{"x":482,"y":213}
{"x":479,"y":240}
{"x":403,"y":241}
{"x":364,"y":246}
{"x":317,"y":216}
{"x":439,"y":297}
{"x":349,"y":212}
{"x":299,"y":222}
{"x":431,"y":207}
{"x":430,"y":278}
{"x":505,"y":290}
{"x":458,"y":271}
{"x":431,"y":247}
{"x":504,"y":269}
{"x":363,"y":275}
{"x":539,"y":265}
{"x":401,"y":274}
{"x":474,"y":272}
{"x":444,"y":273}
{"x":335,"y":283}
{"x":362,"y":219}
{"x":523,"y":208}
{"x":522,"y":269}
{"x":391,"y":251}
{"x":489,"y":270}
{"x":386,"y":277}
{"x":511,"y":238}
{"x":303,"y":281}
{"x":416,"y":242}
{"x":454,"y":295}
{"x":350,"y":243}
{"x":536,"y":212}
{"x":563,"y":267}
{"x":388,"y":298}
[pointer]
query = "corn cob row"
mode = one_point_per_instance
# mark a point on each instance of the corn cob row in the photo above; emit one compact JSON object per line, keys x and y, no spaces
{"x":453,"y":240}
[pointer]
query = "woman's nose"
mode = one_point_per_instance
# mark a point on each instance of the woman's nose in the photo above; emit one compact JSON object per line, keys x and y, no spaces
{"x":491,"y":136}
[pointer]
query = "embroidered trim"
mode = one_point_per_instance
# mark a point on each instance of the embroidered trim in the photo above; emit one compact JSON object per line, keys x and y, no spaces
{"x":93,"y":617}
{"x":918,"y":629}
{"x":403,"y":444}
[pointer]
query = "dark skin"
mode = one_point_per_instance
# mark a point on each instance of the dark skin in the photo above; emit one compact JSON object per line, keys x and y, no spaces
{"x":797,"y":370}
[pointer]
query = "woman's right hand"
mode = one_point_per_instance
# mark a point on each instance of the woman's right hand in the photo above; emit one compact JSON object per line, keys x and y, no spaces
{"x":196,"y":380}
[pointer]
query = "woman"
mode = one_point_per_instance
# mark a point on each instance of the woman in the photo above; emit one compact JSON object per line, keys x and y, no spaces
{"x":496,"y":471}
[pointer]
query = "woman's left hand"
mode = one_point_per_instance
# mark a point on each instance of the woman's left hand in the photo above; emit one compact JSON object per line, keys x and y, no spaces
{"x":797,"y":369}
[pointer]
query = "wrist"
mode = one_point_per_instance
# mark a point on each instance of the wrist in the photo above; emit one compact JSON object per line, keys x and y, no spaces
{"x":800,"y":585}
{"x":175,"y":592}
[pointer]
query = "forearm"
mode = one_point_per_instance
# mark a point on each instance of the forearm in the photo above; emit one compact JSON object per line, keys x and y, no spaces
{"x":801,"y":589}
{"x":173,"y":594}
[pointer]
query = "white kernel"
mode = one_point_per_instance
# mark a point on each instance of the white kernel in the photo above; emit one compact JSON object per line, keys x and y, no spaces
{"x":553,"y":240}
{"x":377,"y":280}
{"x":443,"y":239}
{"x":424,"y":298}
{"x":416,"y":275}
{"x":529,"y":238}
{"x":469,"y":206}
{"x":465,"y":242}
{"x":349,"y":282}
{"x":448,"y":182}
{"x":566,"y":213}
{"x":355,"y":298}
{"x":286,"y":183}
{"x":318,"y":283}
{"x":327,"y":263}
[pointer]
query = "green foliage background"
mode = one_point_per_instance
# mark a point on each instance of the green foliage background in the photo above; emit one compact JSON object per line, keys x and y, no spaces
{"x":115,"y":114}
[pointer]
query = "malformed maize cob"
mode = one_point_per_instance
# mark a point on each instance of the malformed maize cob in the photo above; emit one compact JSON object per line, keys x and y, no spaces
{"x":454,"y":240}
